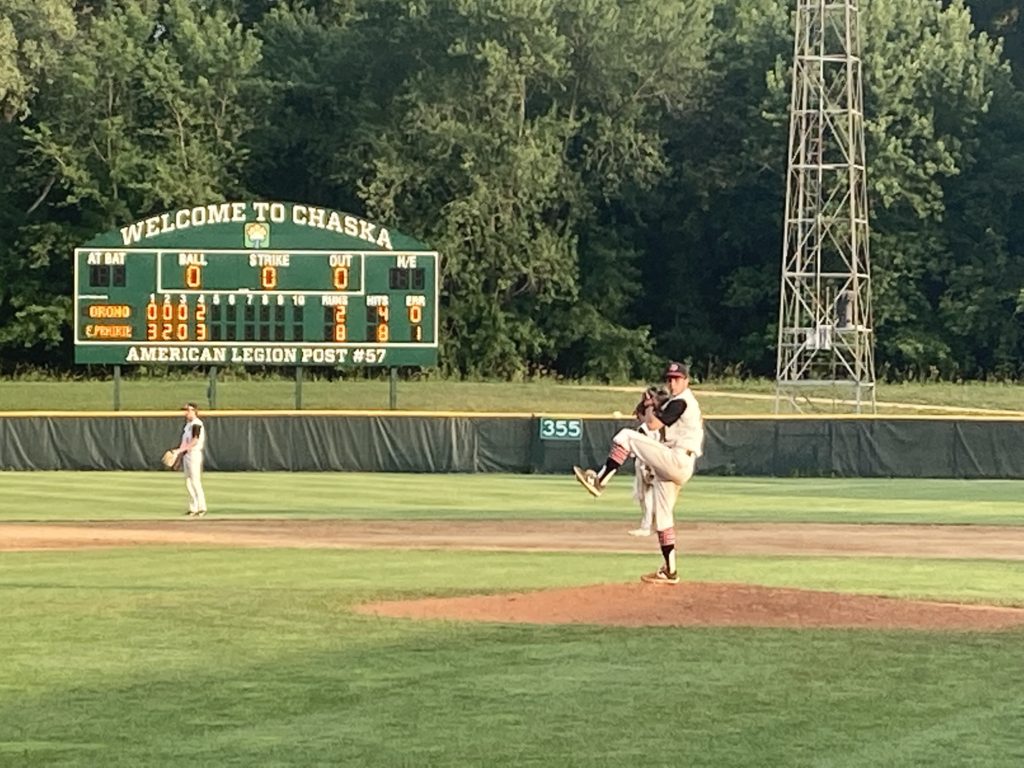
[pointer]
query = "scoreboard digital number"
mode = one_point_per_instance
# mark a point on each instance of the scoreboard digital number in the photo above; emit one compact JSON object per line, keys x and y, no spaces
{"x":262,"y":307}
{"x":255,"y":305}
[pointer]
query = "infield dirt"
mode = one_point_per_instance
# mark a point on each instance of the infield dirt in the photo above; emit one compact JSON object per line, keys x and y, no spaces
{"x":632,"y":604}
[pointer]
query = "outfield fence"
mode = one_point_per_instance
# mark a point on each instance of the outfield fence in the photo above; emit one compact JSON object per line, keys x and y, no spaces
{"x":335,"y":441}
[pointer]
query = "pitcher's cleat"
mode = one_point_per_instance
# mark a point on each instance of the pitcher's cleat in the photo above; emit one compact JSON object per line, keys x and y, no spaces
{"x":588,"y":479}
{"x":661,"y":576}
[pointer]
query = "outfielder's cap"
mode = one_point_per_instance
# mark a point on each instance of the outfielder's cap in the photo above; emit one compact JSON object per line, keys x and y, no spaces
{"x":192,"y":406}
{"x":677,"y":371}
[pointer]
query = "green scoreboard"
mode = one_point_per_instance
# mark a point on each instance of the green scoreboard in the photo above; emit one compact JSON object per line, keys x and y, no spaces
{"x":256,"y":283}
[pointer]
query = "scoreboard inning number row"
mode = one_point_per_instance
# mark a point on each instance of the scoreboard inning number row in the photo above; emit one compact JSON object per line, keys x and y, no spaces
{"x":297,"y":300}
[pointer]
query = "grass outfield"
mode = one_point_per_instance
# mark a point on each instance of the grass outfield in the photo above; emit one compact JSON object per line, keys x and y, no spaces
{"x":371,"y":496}
{"x":718,"y":398}
{"x":182,"y":657}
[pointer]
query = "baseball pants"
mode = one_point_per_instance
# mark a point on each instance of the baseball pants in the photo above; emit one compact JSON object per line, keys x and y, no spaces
{"x":192,"y":467}
{"x":672,"y":467}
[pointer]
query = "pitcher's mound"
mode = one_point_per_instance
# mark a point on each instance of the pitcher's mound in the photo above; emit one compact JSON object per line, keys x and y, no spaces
{"x":704,"y":604}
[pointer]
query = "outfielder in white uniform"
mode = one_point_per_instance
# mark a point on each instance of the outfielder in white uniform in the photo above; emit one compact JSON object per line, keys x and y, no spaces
{"x":672,"y":460}
{"x":193,"y":444}
{"x":643,"y":477}
{"x":643,"y":492}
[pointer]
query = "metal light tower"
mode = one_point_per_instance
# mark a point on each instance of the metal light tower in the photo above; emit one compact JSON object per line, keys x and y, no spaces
{"x":826,"y":339}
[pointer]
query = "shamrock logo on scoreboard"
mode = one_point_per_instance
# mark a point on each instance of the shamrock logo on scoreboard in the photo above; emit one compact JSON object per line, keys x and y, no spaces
{"x":257,"y":235}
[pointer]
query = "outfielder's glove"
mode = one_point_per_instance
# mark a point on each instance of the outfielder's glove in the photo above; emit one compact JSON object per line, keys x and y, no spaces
{"x":652,"y":396}
{"x":169,"y":459}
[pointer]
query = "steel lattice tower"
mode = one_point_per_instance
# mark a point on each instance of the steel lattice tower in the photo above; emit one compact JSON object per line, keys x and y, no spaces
{"x":826,"y":339}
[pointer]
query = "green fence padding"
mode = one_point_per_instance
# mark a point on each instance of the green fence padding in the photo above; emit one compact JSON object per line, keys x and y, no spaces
{"x":382,"y":442}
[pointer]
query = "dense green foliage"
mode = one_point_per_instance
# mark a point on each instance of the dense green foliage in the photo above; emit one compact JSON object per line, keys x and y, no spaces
{"x":604,"y":180}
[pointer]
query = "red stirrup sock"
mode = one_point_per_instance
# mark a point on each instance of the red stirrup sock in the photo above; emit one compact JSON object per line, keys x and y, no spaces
{"x":667,"y":540}
{"x":616,"y":456}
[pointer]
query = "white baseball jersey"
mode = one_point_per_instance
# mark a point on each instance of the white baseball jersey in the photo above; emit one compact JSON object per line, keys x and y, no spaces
{"x":190,"y":431}
{"x":684,"y":424}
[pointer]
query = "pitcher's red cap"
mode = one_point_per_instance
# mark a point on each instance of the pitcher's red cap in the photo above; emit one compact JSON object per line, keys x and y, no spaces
{"x":677,"y":371}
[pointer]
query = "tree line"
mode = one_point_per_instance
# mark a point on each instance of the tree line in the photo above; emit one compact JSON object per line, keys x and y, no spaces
{"x":603,"y":178}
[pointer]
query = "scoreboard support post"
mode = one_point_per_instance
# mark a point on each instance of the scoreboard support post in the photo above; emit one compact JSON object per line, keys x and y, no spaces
{"x":117,"y":387}
{"x":211,"y":388}
{"x":298,"y":387}
{"x":392,"y":388}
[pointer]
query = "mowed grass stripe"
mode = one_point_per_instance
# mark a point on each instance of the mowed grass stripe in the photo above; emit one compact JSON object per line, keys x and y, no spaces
{"x":510,"y":696}
{"x":55,"y":496}
{"x":184,"y":657}
{"x":723,"y":397}
{"x":358,"y":575}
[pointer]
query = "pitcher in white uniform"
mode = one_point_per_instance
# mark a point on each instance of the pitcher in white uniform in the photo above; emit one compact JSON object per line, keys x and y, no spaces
{"x":672,"y":460}
{"x":193,"y":443}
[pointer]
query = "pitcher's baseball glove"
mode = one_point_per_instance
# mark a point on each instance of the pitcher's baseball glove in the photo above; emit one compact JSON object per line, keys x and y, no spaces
{"x":651,"y":396}
{"x":169,"y":459}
